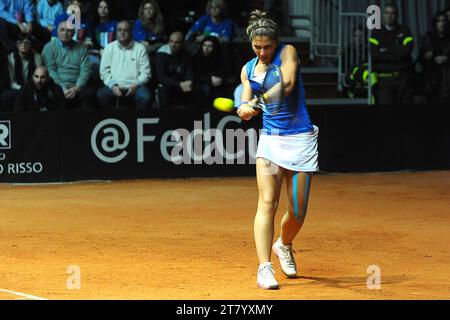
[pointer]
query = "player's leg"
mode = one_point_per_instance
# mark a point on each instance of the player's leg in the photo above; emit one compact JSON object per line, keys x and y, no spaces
{"x":298,"y":187}
{"x":269,"y":178}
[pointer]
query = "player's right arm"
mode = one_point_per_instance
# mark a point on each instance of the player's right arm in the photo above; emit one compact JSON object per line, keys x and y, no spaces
{"x":245,"y":111}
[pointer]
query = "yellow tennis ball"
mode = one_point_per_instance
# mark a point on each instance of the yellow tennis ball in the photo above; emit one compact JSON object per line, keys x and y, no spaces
{"x":224,"y":104}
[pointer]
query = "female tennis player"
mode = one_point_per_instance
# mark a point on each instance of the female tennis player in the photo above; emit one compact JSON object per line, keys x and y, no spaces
{"x":287,"y":148}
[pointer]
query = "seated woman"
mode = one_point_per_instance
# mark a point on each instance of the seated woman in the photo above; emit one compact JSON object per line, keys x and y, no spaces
{"x":213,"y":23}
{"x":149,"y":27}
{"x":103,"y":33}
{"x":104,"y":29}
{"x":209,"y":71}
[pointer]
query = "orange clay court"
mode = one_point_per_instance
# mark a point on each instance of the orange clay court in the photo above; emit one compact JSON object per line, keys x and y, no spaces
{"x":193,"y":239}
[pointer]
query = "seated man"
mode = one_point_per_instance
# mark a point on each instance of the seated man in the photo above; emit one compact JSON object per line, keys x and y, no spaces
{"x":68,"y":65}
{"x":16,"y":16}
{"x":41,"y":94}
{"x":124,"y":69}
{"x":76,"y":9}
{"x":175,"y":74}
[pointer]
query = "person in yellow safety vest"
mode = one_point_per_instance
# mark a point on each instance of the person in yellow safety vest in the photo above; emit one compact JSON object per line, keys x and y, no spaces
{"x":391,"y":48}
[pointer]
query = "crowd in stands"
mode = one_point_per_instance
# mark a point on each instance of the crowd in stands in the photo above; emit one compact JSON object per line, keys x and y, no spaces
{"x":154,"y":54}
{"x":144,"y":54}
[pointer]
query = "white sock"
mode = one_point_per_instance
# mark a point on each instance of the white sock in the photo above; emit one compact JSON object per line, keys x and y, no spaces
{"x":265,"y":264}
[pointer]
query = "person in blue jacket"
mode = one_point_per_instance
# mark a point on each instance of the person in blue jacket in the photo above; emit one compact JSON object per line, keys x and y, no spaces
{"x":46,"y":13}
{"x":16,"y":17}
{"x":148,"y":29}
{"x":214,"y":23}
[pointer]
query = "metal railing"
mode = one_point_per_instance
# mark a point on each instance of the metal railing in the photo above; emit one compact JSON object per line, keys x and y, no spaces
{"x":324,"y":28}
{"x":354,"y":48}
{"x":335,"y":36}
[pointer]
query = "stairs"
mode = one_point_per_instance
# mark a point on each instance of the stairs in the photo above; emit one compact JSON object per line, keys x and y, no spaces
{"x":320,"y":83}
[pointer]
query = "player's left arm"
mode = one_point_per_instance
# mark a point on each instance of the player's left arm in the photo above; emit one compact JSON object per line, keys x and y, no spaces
{"x":289,"y":65}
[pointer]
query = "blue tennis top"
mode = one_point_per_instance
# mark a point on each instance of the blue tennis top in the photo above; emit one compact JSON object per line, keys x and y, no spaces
{"x":292,"y":117}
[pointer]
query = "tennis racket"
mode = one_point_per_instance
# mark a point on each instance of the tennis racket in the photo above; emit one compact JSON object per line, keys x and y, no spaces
{"x":269,"y":93}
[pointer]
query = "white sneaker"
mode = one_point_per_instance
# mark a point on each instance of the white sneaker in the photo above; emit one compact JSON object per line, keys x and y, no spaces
{"x":287,"y":261}
{"x":266,"y":280}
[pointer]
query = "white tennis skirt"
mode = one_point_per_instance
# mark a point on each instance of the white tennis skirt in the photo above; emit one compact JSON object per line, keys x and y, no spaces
{"x":296,"y":152}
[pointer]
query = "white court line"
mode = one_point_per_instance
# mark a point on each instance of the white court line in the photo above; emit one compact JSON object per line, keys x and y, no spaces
{"x":20,"y":294}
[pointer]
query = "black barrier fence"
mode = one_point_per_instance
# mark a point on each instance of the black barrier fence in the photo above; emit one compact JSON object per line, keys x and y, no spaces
{"x":128,"y":144}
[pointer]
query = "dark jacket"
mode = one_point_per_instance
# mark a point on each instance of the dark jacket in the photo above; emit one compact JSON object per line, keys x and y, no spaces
{"x":435,"y":78}
{"x":30,"y":99}
{"x":205,"y":67}
{"x":173,"y":69}
{"x":391,"y":49}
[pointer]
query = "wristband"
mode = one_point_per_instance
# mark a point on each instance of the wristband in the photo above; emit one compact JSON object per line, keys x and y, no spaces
{"x":243,"y":103}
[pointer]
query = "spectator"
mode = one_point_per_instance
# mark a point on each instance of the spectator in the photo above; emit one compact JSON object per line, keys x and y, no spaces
{"x":103,"y":33}
{"x":149,"y":28}
{"x":209,"y":71}
{"x":434,"y":58}
{"x":16,"y":16}
{"x":86,"y":9}
{"x":22,"y":62}
{"x":356,"y":52}
{"x":124,"y":69}
{"x":391,"y":49}
{"x":46,"y":12}
{"x":174,"y":72}
{"x":213,"y":23}
{"x":105,"y":26}
{"x":77,"y":9}
{"x":355,"y":66}
{"x":68,"y":65}
{"x":41,"y":94}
